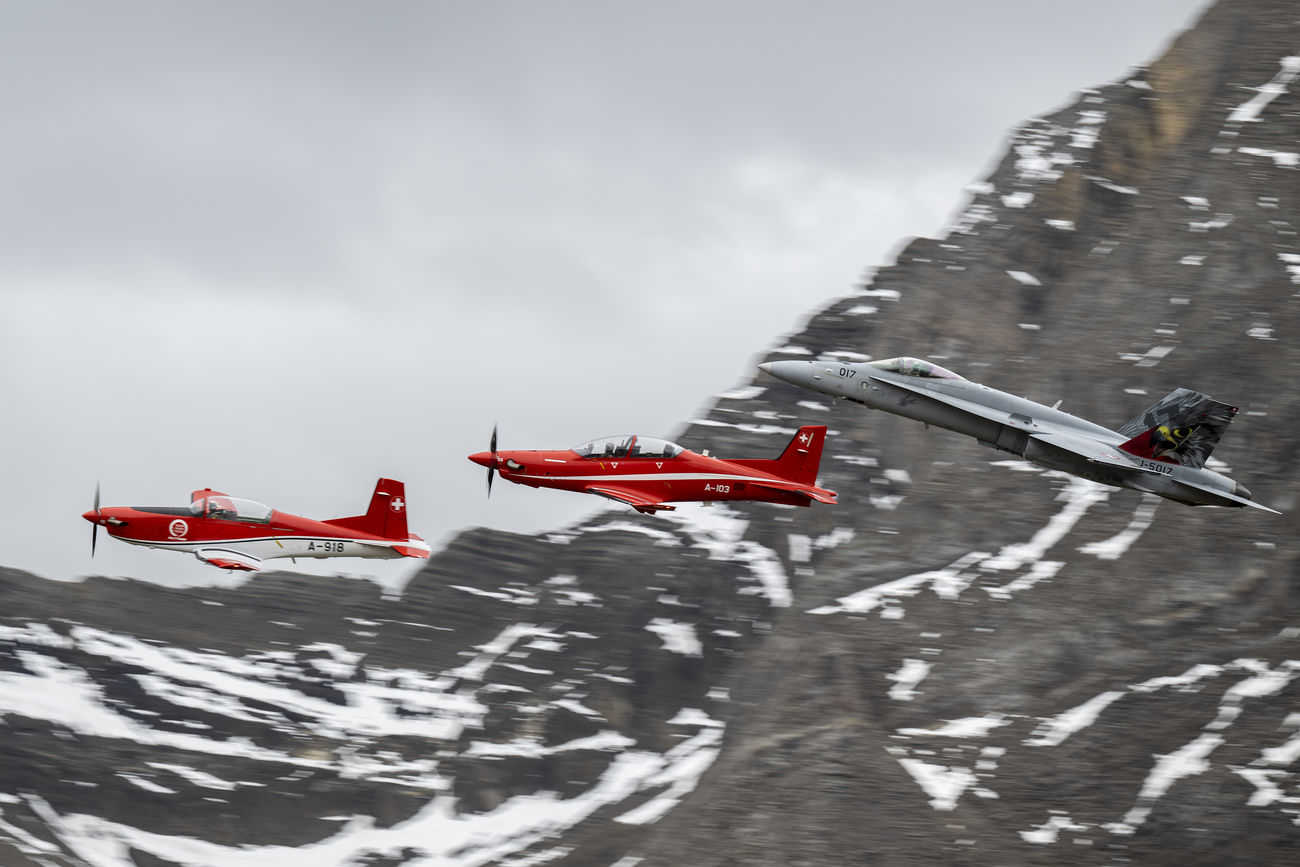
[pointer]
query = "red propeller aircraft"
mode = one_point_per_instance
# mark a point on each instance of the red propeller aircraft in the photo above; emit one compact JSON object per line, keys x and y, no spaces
{"x":233,"y":533}
{"x":647,"y":473}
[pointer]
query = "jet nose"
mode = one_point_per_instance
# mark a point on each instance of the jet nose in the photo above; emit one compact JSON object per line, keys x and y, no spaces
{"x":483,"y":459}
{"x":794,"y":372}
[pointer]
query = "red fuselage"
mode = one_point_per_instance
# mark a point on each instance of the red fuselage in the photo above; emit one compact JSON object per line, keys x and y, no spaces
{"x":233,"y":533}
{"x":645,"y":482}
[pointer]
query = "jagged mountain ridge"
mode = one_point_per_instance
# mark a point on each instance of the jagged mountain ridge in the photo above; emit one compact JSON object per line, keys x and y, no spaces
{"x":968,"y":661}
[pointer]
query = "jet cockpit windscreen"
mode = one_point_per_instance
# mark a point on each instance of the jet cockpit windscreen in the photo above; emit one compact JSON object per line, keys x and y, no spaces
{"x":628,"y":447}
{"x":915,"y":367}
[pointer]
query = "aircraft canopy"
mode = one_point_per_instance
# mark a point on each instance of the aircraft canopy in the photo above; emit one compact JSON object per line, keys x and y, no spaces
{"x":628,"y":446}
{"x":915,"y":367}
{"x":231,"y":509}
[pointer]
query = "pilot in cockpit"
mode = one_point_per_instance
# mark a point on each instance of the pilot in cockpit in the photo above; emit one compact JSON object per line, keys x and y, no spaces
{"x":216,"y":510}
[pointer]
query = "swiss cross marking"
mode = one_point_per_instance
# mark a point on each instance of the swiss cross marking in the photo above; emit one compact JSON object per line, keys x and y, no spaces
{"x":803,"y":438}
{"x":398,"y":504}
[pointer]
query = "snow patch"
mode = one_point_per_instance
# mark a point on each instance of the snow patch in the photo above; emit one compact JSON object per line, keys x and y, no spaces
{"x":967,"y":727}
{"x":1251,"y":108}
{"x":1055,"y":730}
{"x":676,"y":637}
{"x":746,"y":392}
{"x":1281,"y":159}
{"x":906,"y":678}
{"x":943,"y":784}
{"x":1116,"y":546}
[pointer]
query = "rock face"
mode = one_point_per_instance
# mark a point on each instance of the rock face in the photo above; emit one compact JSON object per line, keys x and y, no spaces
{"x":968,"y":661}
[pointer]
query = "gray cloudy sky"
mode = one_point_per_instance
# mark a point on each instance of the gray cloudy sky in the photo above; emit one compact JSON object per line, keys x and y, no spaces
{"x":283,"y":249}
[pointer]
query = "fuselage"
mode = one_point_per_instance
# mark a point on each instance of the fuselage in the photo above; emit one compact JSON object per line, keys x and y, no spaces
{"x":679,"y":475}
{"x":1040,"y":434}
{"x":176,"y":528}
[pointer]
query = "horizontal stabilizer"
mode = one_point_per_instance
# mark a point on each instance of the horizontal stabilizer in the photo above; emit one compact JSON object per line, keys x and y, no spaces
{"x":411,"y":551}
{"x":226,"y":558}
{"x":821,"y":495}
{"x":1240,"y":501}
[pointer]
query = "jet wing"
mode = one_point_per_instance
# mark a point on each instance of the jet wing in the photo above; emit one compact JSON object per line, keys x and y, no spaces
{"x":226,"y":558}
{"x":1091,"y":451}
{"x":637,"y":500}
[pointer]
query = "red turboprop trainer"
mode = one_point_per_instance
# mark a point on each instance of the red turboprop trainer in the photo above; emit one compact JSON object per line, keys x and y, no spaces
{"x":233,"y":533}
{"x":647,"y":473}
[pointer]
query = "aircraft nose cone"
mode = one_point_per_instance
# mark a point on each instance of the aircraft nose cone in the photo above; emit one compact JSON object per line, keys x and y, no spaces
{"x":483,"y":459}
{"x":91,"y":516}
{"x":1243,"y":491}
{"x":794,"y":372}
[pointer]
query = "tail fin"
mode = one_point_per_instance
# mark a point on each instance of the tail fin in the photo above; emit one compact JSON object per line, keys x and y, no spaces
{"x":801,"y":458}
{"x":386,"y":516}
{"x":1183,"y":428}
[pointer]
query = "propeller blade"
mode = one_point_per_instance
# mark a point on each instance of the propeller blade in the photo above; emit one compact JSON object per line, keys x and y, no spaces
{"x":492,"y":447}
{"x":94,"y":528}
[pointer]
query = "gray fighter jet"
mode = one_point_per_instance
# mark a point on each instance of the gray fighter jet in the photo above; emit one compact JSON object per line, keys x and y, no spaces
{"x":1163,"y":451}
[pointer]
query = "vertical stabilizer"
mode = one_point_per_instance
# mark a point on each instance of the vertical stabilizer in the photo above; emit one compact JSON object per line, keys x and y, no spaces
{"x":803,"y":456}
{"x":1183,"y":428}
{"x":386,"y":516}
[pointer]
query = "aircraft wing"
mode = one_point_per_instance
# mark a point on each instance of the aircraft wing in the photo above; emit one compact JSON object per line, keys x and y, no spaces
{"x":226,"y":558}
{"x":1091,"y":451}
{"x":1083,"y":446}
{"x":637,"y":500}
{"x":821,"y":495}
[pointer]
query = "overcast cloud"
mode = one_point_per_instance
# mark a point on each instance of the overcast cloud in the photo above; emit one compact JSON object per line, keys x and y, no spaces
{"x":283,"y":249}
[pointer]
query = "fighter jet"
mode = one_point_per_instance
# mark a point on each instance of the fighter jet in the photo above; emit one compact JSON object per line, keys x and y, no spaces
{"x":1163,"y":451}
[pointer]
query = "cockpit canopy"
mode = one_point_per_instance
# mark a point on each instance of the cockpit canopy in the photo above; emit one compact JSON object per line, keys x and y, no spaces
{"x":231,"y":509}
{"x":630,"y":446}
{"x":915,"y":367}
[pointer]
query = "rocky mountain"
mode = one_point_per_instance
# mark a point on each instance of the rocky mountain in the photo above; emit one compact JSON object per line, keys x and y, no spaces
{"x":968,"y":661}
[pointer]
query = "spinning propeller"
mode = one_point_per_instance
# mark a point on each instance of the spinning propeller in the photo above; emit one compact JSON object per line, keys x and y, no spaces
{"x":94,"y":528}
{"x":492,"y":447}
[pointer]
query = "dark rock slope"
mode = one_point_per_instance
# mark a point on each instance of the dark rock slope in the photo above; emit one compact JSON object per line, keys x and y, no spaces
{"x":968,"y":661}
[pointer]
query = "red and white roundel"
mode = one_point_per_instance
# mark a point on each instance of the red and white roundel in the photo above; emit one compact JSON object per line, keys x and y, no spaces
{"x":178,"y":528}
{"x":397,"y":505}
